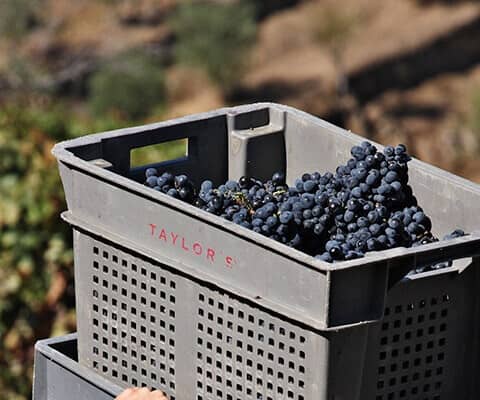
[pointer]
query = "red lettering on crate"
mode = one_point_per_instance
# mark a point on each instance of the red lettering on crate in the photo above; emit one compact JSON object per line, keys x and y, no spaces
{"x":211,"y":254}
{"x":163,"y":235}
{"x":197,"y":248}
{"x":152,"y":228}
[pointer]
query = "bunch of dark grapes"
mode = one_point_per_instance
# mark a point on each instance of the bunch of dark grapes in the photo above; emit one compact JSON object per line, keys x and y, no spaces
{"x":178,"y":186}
{"x":366,"y":205}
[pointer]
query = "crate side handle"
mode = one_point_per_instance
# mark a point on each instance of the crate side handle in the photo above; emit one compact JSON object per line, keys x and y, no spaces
{"x":203,"y":137}
{"x":449,"y":250}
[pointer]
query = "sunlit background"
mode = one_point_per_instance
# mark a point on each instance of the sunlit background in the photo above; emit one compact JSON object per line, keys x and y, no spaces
{"x":394,"y":71}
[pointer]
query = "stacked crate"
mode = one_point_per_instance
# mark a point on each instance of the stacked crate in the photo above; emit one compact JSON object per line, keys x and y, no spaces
{"x":171,"y":297}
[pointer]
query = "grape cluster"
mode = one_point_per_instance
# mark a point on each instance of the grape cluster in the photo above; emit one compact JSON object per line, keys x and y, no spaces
{"x":366,"y":205}
{"x":178,"y":186}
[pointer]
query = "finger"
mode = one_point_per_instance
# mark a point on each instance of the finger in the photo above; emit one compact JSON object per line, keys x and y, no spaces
{"x":159,"y":395}
{"x":143,"y":394}
{"x":126,"y":394}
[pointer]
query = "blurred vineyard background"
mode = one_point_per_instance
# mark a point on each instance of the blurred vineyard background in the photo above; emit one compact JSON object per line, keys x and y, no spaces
{"x":393,"y":71}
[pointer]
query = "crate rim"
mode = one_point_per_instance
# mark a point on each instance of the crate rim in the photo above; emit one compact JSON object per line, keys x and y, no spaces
{"x":45,"y":347}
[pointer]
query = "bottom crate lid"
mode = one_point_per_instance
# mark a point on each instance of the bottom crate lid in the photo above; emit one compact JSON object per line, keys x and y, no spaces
{"x":58,"y":375}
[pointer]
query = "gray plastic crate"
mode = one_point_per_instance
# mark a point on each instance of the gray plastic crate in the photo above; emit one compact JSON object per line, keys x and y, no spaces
{"x":58,"y":376}
{"x":175,"y":298}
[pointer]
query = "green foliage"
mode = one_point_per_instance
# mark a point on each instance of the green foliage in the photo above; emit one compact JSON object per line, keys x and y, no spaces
{"x":475,"y":113}
{"x":131,"y":85}
{"x":35,"y":246}
{"x":216,"y":38}
{"x":157,"y":153}
{"x":18,"y":16}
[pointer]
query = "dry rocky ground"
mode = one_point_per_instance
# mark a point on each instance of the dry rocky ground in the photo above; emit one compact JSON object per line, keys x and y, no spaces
{"x":419,"y":46}
{"x":412,"y":65}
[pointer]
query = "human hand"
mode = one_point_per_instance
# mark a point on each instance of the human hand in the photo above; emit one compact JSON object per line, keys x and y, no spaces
{"x":141,"y":394}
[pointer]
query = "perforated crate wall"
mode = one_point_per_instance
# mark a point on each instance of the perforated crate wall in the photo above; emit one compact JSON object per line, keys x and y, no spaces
{"x":142,"y":324}
{"x":243,"y":353}
{"x":413,"y":342}
{"x":133,"y":320}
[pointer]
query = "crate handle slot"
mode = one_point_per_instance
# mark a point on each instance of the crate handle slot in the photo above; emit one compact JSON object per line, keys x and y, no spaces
{"x":163,"y":153}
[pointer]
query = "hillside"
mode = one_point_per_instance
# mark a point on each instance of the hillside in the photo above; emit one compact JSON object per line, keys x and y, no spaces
{"x":412,"y":66}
